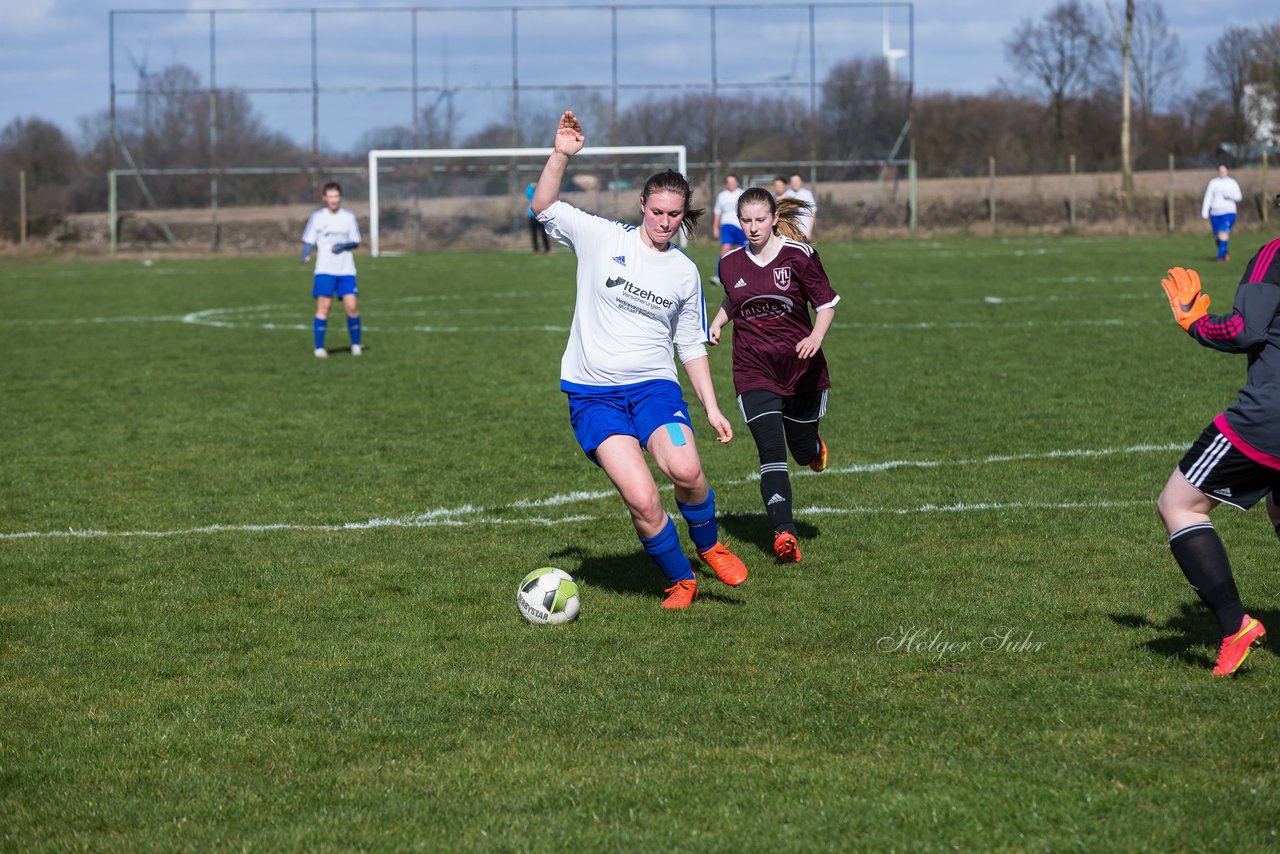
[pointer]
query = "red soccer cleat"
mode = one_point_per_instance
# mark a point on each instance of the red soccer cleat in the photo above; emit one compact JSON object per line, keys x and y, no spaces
{"x":786,"y":547}
{"x":819,"y":463}
{"x":725,"y":563}
{"x":681,"y":594}
{"x":1235,"y":648}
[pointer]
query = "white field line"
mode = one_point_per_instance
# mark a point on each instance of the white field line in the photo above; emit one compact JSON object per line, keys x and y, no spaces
{"x":470,"y":516}
{"x":214,"y":318}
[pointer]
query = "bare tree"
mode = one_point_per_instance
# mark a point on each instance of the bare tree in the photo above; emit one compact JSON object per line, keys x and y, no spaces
{"x":1158,"y":57}
{"x":1060,"y":52}
{"x":41,"y":150}
{"x":1230,"y":60}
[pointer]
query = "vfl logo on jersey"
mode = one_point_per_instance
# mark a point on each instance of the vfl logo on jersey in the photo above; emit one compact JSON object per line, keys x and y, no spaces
{"x":613,"y":283}
{"x":620,"y":259}
{"x":741,"y":283}
{"x":782,"y":278}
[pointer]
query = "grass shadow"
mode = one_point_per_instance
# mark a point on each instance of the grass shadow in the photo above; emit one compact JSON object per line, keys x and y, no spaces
{"x":1190,"y":630}
{"x":633,"y":573}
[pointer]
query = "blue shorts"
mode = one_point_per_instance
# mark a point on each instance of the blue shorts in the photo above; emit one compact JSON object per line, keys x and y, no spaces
{"x":635,"y":410}
{"x":1222,"y":222}
{"x":731,"y":235}
{"x":326,"y":285}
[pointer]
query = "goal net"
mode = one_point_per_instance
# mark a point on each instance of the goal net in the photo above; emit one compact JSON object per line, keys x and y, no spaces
{"x":422,"y":199}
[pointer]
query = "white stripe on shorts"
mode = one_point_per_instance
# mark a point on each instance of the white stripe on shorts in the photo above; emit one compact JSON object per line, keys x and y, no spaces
{"x":1211,"y":457}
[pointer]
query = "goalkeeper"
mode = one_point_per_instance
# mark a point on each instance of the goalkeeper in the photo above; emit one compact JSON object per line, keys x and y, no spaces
{"x":1236,"y":460}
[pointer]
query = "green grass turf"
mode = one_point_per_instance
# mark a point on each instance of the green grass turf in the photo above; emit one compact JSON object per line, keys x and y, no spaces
{"x":296,"y":628}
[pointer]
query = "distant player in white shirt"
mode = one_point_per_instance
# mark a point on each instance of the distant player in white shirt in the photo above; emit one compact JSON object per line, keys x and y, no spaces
{"x":724,"y":222}
{"x":797,"y":190}
{"x":1219,"y":207}
{"x":332,"y":233}
{"x":638,"y":298}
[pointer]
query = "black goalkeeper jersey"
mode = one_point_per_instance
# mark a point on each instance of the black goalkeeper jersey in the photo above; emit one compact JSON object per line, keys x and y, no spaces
{"x":1252,"y":423}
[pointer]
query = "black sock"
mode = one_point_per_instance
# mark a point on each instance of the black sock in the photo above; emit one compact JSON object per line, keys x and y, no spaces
{"x":1278,"y":530}
{"x":1200,"y":553}
{"x":775,"y":489}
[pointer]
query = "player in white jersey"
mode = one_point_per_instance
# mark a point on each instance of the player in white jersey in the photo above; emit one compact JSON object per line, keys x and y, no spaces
{"x":332,"y":233}
{"x":724,"y":222}
{"x":1219,"y":207}
{"x":637,"y":296}
{"x":797,"y":190}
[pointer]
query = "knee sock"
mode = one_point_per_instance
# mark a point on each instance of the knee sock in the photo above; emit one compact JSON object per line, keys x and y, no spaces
{"x":353,"y":328}
{"x":667,"y":554}
{"x":318,"y":327}
{"x":1222,"y":249}
{"x":1200,"y":553}
{"x":701,"y":518}
{"x":775,"y":489}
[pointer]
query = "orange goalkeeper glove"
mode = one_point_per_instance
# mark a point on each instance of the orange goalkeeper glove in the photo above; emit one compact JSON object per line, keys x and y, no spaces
{"x":1188,"y":303}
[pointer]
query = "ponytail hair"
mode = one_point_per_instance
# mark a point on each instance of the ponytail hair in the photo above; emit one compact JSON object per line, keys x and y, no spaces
{"x":789,"y":211}
{"x":672,"y":181}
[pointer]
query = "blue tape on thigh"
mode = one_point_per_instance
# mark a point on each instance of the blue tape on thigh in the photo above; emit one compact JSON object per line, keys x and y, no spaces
{"x":676,"y":434}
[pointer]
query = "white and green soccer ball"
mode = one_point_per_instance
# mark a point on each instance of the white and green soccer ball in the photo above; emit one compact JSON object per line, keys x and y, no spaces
{"x":548,"y":595}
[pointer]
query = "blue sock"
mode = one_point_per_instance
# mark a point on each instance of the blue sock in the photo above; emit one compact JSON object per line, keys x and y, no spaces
{"x":667,"y":554}
{"x":1222,"y":249}
{"x":353,"y":327}
{"x":318,"y":327}
{"x":701,"y":518}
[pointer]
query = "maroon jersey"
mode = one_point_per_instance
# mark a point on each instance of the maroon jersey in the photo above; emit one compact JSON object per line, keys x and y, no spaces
{"x":769,"y":307}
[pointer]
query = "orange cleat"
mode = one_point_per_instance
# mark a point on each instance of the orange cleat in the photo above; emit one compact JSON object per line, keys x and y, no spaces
{"x":1235,"y":648}
{"x":727,"y":567}
{"x":681,"y":594}
{"x":819,"y":463}
{"x":786,"y":547}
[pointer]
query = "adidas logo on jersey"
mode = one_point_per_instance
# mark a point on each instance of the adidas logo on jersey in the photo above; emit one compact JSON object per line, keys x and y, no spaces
{"x":775,"y":499}
{"x":741,"y":283}
{"x":621,"y":259}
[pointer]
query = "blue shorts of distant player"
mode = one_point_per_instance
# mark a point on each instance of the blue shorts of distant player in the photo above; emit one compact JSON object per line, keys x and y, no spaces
{"x":326,"y":285}
{"x":1221,"y":222}
{"x":638,"y":410}
{"x":731,"y":235}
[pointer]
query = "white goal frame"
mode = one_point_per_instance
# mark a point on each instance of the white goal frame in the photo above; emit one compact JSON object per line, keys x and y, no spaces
{"x":379,"y":154}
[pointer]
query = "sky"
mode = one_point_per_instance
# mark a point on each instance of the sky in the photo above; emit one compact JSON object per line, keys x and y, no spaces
{"x":55,"y":63}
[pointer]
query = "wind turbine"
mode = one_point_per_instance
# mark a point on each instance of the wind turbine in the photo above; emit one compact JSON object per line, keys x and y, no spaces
{"x":891,"y":54}
{"x":144,"y":81}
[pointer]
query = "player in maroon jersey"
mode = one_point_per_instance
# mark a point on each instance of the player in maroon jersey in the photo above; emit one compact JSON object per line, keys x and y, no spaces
{"x":779,"y":371}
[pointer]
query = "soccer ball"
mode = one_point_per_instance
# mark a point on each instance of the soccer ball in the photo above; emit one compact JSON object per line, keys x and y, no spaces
{"x":548,"y":595}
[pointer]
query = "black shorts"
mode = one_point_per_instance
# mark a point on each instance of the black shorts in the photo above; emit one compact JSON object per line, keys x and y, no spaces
{"x":804,"y":408}
{"x":1224,"y":474}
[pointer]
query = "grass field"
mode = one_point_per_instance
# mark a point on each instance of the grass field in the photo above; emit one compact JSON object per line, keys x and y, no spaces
{"x":250,"y":599}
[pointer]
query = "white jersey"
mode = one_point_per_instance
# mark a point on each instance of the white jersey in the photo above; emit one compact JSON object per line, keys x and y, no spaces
{"x":804,"y":221}
{"x":727,"y":206}
{"x":324,"y":230}
{"x":633,"y":303}
{"x":1220,"y":197}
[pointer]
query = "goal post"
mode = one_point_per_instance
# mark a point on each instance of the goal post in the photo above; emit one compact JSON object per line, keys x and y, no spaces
{"x":439,"y":158}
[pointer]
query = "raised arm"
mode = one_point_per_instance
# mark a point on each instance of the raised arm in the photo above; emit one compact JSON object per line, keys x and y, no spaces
{"x":569,"y":141}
